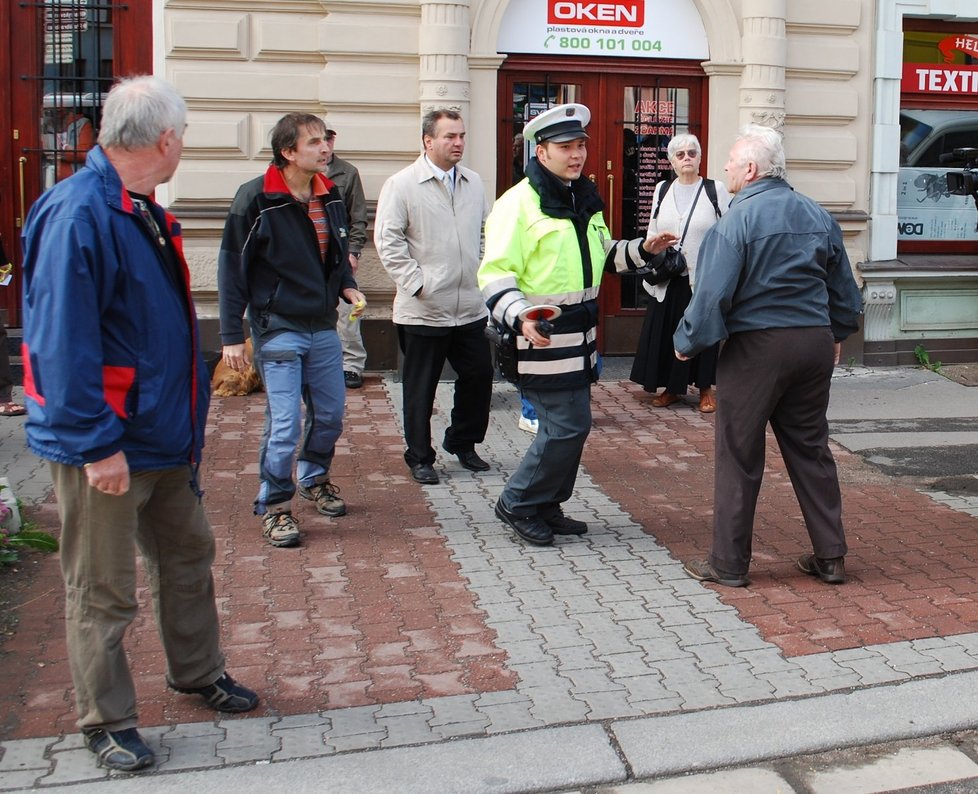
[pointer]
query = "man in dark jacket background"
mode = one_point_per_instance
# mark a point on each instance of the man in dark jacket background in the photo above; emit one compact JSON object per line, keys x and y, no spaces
{"x":285,"y":259}
{"x":776,"y":283}
{"x":117,"y":397}
{"x":346,"y":177}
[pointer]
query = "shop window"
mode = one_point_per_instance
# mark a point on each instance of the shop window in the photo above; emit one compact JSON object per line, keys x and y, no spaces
{"x":938,"y":134}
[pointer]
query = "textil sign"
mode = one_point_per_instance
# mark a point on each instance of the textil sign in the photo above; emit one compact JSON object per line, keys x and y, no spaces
{"x":946,"y":75}
{"x":921,"y":78}
{"x":619,"y":28}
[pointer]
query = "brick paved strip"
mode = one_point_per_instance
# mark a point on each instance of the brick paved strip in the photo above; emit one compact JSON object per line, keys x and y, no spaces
{"x":913,"y":561}
{"x":370,"y":610}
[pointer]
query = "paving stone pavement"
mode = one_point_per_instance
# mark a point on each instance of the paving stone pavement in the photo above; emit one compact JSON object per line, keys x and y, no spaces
{"x":417,"y":619}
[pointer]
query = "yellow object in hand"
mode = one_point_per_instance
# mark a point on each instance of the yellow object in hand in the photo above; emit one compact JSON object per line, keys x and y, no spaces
{"x":356,"y":308}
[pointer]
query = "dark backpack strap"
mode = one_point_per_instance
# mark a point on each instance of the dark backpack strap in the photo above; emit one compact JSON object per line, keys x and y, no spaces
{"x":711,"y":191}
{"x":662,"y":195}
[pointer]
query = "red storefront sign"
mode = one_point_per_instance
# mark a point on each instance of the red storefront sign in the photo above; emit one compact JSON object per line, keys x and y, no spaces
{"x":953,"y":44}
{"x":929,"y":78}
{"x":616,"y":13}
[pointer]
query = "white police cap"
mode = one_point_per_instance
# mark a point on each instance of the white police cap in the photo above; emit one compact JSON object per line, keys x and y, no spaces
{"x":560,"y":124}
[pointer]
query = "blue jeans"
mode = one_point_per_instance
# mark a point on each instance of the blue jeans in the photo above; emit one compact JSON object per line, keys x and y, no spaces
{"x":298,"y":369}
{"x":527,"y":410}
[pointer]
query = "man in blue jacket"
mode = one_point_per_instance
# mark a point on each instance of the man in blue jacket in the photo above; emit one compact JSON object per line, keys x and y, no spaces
{"x":117,"y":397}
{"x":285,"y":258}
{"x":776,"y":283}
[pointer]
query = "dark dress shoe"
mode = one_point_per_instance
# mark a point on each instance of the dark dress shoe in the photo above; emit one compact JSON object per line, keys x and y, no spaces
{"x":471,"y":461}
{"x":531,"y":528}
{"x":703,"y":571}
{"x":563,"y":525}
{"x":424,"y":473}
{"x":829,"y":571}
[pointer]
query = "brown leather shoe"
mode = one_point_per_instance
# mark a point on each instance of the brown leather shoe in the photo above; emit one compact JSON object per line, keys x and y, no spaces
{"x":829,"y":571}
{"x":664,"y":399}
{"x":703,"y":571}
{"x":708,"y":403}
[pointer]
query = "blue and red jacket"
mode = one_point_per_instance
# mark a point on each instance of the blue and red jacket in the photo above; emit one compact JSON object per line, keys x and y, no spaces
{"x":111,"y":349}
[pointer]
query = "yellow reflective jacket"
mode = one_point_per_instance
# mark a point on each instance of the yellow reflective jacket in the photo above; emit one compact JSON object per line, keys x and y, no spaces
{"x":546,"y":243}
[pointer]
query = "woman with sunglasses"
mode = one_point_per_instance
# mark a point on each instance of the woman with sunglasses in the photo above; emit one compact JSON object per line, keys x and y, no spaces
{"x":686,"y":207}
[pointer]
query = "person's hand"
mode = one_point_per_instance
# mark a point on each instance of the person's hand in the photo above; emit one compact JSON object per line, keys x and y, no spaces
{"x":680,"y":356}
{"x":533,"y":335}
{"x":658,"y":243}
{"x":354,"y":263}
{"x":358,"y":299}
{"x":838,"y":351}
{"x":236,"y":357}
{"x":109,"y":475}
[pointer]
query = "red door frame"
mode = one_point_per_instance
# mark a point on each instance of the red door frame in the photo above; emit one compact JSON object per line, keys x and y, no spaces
{"x":20,"y":109}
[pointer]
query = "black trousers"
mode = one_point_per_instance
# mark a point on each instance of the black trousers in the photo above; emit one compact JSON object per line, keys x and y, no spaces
{"x":781,"y":376}
{"x":426,"y":349}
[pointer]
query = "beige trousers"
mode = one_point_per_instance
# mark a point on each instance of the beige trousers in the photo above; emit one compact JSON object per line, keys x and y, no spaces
{"x":99,"y":536}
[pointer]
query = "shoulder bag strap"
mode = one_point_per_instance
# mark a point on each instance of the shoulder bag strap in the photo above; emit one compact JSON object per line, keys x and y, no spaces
{"x":689,"y":215}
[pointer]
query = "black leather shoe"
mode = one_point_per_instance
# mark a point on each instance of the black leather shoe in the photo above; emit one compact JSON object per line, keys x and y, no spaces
{"x":703,"y":571}
{"x":829,"y":571}
{"x":353,"y":380}
{"x":563,"y":525}
{"x":531,"y":528}
{"x":470,"y":460}
{"x":424,"y":473}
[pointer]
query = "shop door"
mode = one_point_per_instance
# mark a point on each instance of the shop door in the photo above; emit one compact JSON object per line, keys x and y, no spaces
{"x":61,"y":61}
{"x":635,"y":110}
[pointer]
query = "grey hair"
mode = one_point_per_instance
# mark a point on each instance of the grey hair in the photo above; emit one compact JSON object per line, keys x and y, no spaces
{"x":138,"y":110}
{"x":430,"y":120}
{"x":764,"y":147}
{"x":683,"y":141}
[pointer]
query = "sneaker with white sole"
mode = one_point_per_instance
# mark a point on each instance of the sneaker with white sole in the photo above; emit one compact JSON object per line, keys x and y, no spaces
{"x":124,"y":750}
{"x":529,"y":425}
{"x":225,"y":694}
{"x":281,"y":529}
{"x":327,"y":498}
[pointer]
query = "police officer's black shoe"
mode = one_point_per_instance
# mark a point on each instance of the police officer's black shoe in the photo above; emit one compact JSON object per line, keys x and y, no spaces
{"x":564,"y":525}
{"x":531,"y":528}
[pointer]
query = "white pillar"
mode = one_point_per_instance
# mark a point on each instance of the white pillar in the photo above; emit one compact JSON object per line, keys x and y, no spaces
{"x":443,"y":46}
{"x":765,"y":50}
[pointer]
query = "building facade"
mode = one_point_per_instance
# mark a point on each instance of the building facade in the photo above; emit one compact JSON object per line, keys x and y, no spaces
{"x":850,"y":83}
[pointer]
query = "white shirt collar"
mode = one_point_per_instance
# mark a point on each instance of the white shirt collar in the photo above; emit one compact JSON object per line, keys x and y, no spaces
{"x":438,"y":172}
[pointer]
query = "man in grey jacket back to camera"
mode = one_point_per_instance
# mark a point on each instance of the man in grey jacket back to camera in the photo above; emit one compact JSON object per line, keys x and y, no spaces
{"x":776,"y":283}
{"x":429,"y":235}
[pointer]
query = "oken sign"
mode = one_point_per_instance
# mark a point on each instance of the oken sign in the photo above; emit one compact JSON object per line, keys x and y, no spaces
{"x":620,"y":28}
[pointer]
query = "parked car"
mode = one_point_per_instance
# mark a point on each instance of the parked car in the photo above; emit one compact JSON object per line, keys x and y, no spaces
{"x":927,"y":134}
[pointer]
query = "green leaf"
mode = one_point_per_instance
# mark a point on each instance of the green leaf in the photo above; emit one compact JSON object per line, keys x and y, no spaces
{"x":33,"y":539}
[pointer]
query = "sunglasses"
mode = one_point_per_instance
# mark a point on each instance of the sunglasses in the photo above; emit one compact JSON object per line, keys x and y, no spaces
{"x":692,"y":154}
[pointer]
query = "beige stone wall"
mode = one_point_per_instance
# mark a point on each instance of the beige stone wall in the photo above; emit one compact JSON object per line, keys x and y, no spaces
{"x":372,"y":67}
{"x":828,"y":101}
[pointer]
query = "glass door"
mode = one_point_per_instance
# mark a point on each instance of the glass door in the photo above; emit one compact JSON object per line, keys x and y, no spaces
{"x":634,"y":113}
